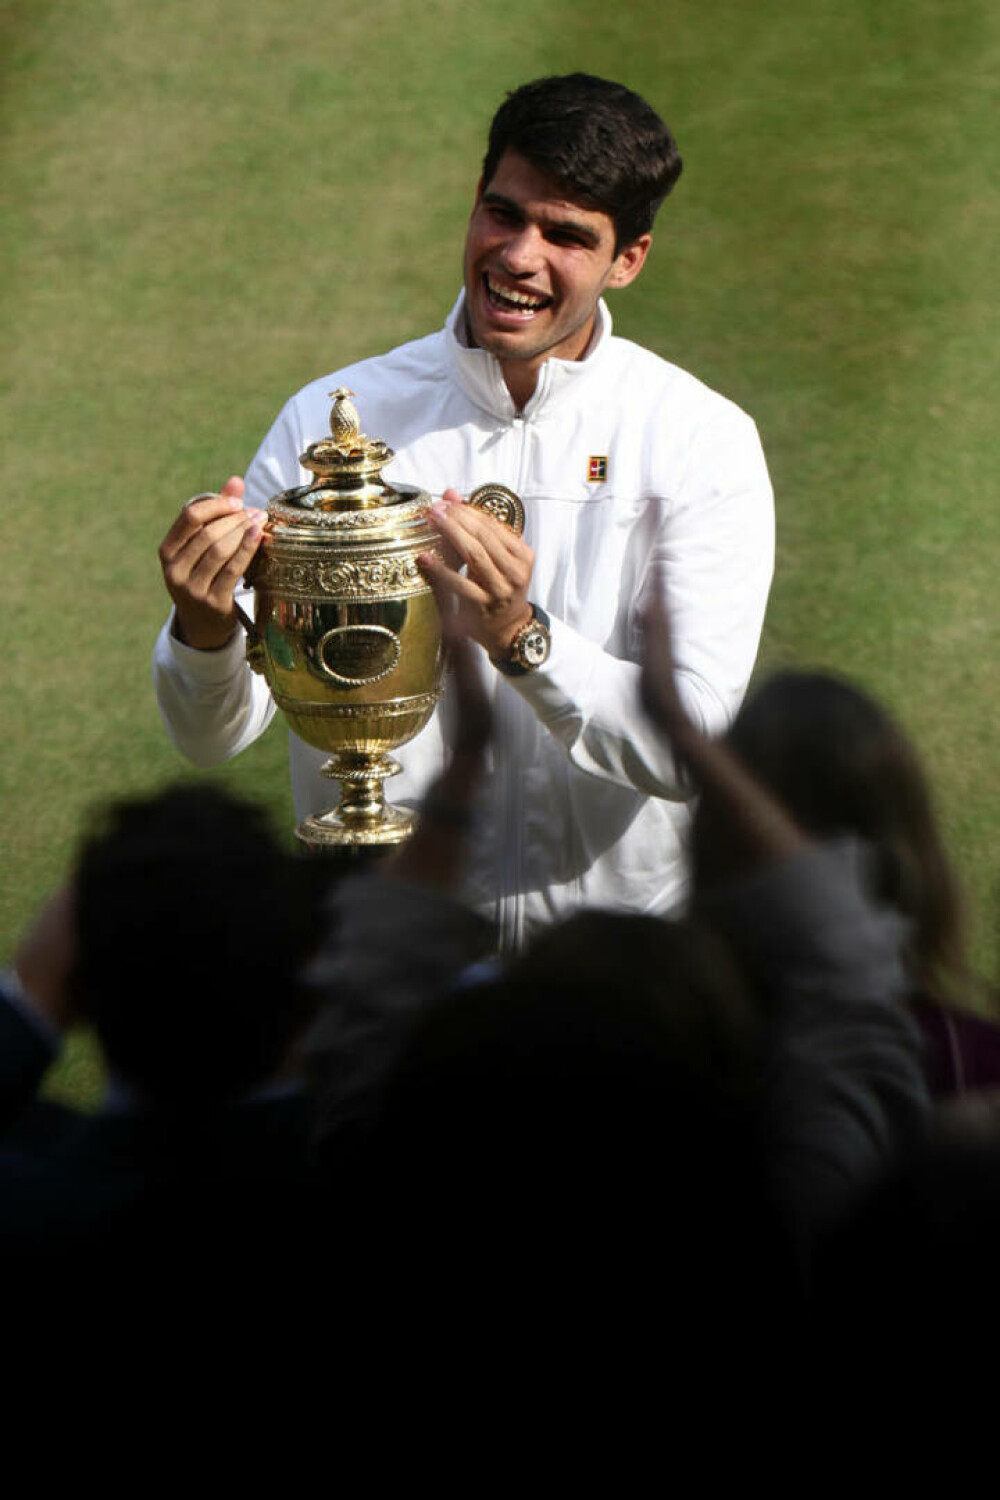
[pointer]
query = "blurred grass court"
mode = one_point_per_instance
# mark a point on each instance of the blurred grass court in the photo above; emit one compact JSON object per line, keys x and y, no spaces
{"x":208,"y":204}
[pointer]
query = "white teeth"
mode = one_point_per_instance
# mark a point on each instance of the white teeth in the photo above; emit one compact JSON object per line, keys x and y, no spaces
{"x":516,"y":299}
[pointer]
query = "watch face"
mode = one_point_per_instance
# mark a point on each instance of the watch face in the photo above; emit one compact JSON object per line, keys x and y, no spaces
{"x":534,"y":647}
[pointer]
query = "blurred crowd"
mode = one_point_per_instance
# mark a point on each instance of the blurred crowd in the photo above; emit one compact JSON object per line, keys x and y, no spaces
{"x":779,"y":1111}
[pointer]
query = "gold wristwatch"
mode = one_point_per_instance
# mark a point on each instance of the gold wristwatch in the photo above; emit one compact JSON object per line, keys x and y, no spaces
{"x":529,"y":648}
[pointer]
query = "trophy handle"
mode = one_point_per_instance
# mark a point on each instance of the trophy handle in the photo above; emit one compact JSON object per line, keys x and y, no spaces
{"x":255,"y":646}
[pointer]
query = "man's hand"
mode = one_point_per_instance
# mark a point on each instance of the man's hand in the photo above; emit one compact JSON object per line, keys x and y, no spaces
{"x":473,"y":721}
{"x":203,"y":556}
{"x":492,"y":594}
{"x":45,"y":957}
{"x":752,"y":826}
{"x":433,"y":856}
{"x":658,"y":683}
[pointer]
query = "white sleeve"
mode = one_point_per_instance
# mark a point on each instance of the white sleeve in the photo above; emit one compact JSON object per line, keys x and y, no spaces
{"x":713,"y":559}
{"x":211,"y":703}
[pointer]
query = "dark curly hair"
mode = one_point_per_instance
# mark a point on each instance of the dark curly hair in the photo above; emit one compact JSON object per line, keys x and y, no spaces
{"x":601,"y":143}
{"x":841,"y":765}
{"x":193,"y":923}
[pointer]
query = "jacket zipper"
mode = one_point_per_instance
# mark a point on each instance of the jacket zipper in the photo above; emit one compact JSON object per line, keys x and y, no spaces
{"x":512,"y":923}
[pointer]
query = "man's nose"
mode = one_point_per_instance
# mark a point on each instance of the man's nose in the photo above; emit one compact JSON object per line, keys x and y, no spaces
{"x":521,"y":252}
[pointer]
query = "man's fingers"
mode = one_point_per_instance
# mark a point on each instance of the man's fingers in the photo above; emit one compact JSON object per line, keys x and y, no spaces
{"x":654,"y":620}
{"x":450,"y":557}
{"x":492,"y":555}
{"x":658,"y":633}
{"x":46,"y":956}
{"x":240,"y":560}
{"x":465,"y":528}
{"x":492,"y":591}
{"x":658,"y":683}
{"x":444,"y":598}
{"x":193,"y":517}
{"x":474,"y":717}
{"x":483,"y":569}
{"x":220,"y":556}
{"x":224,"y":532}
{"x":447,"y":584}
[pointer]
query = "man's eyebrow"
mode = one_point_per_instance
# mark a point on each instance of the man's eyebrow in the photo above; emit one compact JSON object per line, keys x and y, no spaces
{"x":583,"y":232}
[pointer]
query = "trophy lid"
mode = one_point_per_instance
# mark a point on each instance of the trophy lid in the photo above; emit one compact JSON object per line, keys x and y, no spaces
{"x":347,"y":466}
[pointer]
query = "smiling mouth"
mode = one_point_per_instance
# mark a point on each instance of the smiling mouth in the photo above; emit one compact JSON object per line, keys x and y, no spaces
{"x":507,"y":299}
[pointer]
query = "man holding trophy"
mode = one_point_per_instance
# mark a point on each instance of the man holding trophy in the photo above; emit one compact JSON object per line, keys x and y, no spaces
{"x":634,"y":477}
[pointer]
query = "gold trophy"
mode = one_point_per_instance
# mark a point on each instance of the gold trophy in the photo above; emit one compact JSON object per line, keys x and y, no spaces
{"x":347,"y":632}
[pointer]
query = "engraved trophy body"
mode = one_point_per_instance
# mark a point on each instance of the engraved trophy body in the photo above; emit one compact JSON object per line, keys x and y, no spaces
{"x":347,"y":631}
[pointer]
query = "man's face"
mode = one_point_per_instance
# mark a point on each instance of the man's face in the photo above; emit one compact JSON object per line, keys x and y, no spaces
{"x":535,"y":266}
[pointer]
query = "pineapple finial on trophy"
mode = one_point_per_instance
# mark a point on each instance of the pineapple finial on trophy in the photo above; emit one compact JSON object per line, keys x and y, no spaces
{"x":345,"y":457}
{"x":345,"y":424}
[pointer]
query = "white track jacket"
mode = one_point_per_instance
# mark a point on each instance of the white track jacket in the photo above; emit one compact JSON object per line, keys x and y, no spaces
{"x":633,"y":475}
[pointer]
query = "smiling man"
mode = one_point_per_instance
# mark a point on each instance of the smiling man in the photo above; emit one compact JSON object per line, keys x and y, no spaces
{"x":634,"y":476}
{"x":535,"y":265}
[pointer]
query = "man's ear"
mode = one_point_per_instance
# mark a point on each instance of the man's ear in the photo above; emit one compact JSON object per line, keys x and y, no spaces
{"x":629,"y":262}
{"x":479,"y":191}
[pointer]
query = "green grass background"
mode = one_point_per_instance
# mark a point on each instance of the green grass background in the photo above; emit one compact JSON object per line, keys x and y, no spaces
{"x":207,"y":204}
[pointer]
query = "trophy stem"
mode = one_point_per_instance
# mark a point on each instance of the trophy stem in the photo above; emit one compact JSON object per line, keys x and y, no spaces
{"x":362,"y":816}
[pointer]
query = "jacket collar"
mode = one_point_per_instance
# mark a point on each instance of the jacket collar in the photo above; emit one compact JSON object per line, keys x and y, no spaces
{"x":478,"y":373}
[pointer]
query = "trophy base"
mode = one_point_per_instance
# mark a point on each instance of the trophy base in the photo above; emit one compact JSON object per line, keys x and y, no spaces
{"x":332,"y":830}
{"x":363,"y":819}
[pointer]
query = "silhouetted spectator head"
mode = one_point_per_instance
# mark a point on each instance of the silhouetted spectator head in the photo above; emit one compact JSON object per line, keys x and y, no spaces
{"x":610,"y":1039}
{"x":192,"y":926}
{"x":584,"y":1134}
{"x":841,"y":766}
